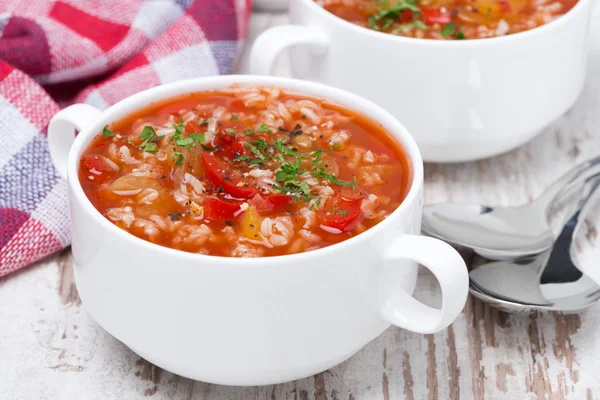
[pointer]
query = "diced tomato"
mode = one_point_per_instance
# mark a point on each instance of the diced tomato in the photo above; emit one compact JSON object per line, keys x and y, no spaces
{"x":269,"y":202}
{"x":99,"y":164}
{"x":229,"y":144}
{"x":221,"y":175}
{"x":215,"y":209}
{"x":435,"y":16}
{"x":344,"y":215}
{"x":505,"y":5}
{"x":279,"y":199}
{"x":407,"y":16}
{"x":191,"y":127}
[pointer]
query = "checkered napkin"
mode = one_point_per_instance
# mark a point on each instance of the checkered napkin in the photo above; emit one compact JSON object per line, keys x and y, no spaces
{"x":98,"y":52}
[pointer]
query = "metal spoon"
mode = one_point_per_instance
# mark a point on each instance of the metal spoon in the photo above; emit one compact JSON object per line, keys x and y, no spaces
{"x":548,"y":281}
{"x":501,"y":233}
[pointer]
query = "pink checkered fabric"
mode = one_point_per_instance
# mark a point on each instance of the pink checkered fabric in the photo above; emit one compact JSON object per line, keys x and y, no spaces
{"x":98,"y":52}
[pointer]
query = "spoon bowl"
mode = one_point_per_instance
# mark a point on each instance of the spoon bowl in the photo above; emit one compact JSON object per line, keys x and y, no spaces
{"x":497,"y":233}
{"x":504,"y":233}
{"x":550,"y":280}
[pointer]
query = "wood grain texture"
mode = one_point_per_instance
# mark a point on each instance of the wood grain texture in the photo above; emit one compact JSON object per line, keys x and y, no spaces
{"x":51,"y":349}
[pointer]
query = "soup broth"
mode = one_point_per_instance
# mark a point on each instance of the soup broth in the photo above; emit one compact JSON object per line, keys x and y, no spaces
{"x":448,"y":19}
{"x":244,"y":172}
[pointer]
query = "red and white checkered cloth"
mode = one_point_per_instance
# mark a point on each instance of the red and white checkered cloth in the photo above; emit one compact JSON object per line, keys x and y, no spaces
{"x":94,"y":51}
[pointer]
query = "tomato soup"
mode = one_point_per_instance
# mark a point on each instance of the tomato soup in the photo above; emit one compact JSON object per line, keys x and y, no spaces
{"x":449,"y":19}
{"x":244,"y":172}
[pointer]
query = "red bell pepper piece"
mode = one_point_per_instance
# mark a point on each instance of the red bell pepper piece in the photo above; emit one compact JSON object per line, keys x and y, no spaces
{"x":215,"y":209}
{"x":220,"y":174}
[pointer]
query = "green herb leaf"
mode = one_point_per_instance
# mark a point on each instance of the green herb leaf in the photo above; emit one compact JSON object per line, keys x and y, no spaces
{"x":235,"y":117}
{"x":197,"y":137}
{"x":460,"y":35}
{"x":178,"y":130}
{"x":186,"y":142}
{"x":294,"y":186}
{"x":418,"y":24}
{"x":288,"y":171}
{"x":107,"y":132}
{"x":254,"y":150}
{"x":148,"y":133}
{"x":448,"y":30}
{"x":320,"y":173}
{"x":178,"y":158}
{"x":248,"y":132}
{"x":201,"y":121}
{"x":286,"y":150}
{"x":386,"y":17}
{"x":149,"y":147}
{"x":230,"y":130}
{"x":316,"y":203}
{"x":262,"y":128}
{"x":340,"y":212}
{"x":261,"y":144}
{"x":240,"y":158}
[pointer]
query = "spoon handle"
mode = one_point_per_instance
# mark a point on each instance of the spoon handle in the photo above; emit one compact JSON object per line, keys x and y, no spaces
{"x":560,"y":267}
{"x":570,"y":180}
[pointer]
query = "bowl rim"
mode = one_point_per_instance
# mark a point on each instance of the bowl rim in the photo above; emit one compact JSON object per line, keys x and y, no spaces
{"x":540,"y":30}
{"x":172,"y":90}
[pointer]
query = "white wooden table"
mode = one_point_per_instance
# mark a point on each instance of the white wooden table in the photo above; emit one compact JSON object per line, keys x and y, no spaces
{"x":50,"y":348}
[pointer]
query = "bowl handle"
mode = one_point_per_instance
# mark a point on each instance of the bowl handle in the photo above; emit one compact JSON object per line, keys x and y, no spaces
{"x":61,"y":132}
{"x":271,"y":42}
{"x":403,"y":310}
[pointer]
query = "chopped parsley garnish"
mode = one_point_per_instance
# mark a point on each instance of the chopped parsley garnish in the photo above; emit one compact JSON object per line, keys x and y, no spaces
{"x":254,"y":149}
{"x":248,"y":132}
{"x":235,"y":117}
{"x":289,"y":171}
{"x":287,"y":176}
{"x":316,"y":203}
{"x":448,"y":29}
{"x":286,"y":150}
{"x":150,"y":138}
{"x":262,"y":128}
{"x":340,"y":212}
{"x":417,"y":23}
{"x":149,"y":147}
{"x":240,"y":158}
{"x":229,"y":130}
{"x":385,"y":18}
{"x":178,"y":158}
{"x":201,"y":121}
{"x":178,"y":130}
{"x":294,"y":186}
{"x":197,"y":137}
{"x":186,"y":142}
{"x":107,"y":132}
{"x":148,"y":133}
{"x":452,"y":29}
{"x":320,"y":173}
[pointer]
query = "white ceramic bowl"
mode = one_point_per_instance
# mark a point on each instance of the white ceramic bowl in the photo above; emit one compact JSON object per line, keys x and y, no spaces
{"x":252,"y":321}
{"x":462,"y":99}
